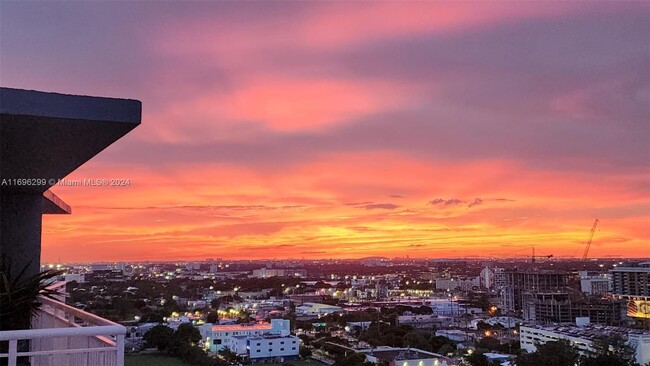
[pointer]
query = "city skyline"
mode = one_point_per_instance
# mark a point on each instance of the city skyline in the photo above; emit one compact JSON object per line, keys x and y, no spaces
{"x":315,"y":130}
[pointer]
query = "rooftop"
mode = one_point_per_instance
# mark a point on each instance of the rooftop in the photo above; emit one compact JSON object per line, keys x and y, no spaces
{"x":592,"y":331}
{"x":240,"y":327}
{"x":391,"y":354}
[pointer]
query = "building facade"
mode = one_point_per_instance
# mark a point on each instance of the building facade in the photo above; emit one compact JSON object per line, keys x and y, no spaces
{"x":525,"y":288}
{"x":594,"y":284}
{"x":632,"y":283}
{"x":583,"y":338}
{"x":269,"y":346}
{"x":220,"y":337}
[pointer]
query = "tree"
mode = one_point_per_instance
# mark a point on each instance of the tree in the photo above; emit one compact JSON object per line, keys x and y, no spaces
{"x":416,"y":340}
{"x":244,"y":317}
{"x":423,"y":310}
{"x":477,"y":359}
{"x":20,"y":300}
{"x":489,"y":343}
{"x":228,"y":355}
{"x":610,"y":351}
{"x":558,"y":353}
{"x":184,"y":337}
{"x":446,"y":349}
{"x":438,"y":342}
{"x":305,"y":352}
{"x":212,"y":318}
{"x":19,"y":295}
{"x":159,"y":336}
{"x":353,"y":359}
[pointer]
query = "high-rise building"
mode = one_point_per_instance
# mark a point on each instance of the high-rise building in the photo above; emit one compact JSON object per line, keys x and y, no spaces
{"x":492,"y":278}
{"x":594,"y":284}
{"x":633,"y":285}
{"x":556,"y":310}
{"x":631,"y":282}
{"x":381,"y":289}
{"x":524,"y":288}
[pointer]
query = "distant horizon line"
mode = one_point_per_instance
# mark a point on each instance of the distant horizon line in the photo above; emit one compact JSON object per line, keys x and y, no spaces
{"x":208,"y":260}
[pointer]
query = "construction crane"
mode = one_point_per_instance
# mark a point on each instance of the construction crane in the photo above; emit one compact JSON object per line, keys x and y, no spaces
{"x":591,"y":237}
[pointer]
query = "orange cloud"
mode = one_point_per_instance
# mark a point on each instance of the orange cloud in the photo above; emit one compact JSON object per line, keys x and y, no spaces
{"x":218,"y":210}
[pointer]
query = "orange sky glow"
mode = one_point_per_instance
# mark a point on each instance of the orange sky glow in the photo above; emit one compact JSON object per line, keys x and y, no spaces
{"x":348,"y":130}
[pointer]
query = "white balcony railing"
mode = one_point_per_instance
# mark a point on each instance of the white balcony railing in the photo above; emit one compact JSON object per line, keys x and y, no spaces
{"x":64,"y":335}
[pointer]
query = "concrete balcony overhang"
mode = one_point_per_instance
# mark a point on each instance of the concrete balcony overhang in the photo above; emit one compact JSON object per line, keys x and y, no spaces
{"x":49,"y":135}
{"x":52,"y":204}
{"x":43,"y":138}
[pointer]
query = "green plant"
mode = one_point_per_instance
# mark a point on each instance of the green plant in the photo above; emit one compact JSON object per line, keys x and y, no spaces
{"x":19,"y":295}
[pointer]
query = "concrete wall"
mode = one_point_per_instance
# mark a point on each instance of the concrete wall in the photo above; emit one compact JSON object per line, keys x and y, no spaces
{"x":20,"y":230}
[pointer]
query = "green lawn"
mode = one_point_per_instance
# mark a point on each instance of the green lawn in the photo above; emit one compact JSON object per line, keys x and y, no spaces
{"x":152,"y":360}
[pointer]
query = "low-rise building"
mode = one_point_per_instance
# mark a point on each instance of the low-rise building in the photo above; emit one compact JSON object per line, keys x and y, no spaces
{"x":456,"y":283}
{"x":450,"y":307}
{"x":406,"y":357}
{"x":424,"y":321}
{"x":504,"y":321}
{"x":278,"y":272}
{"x":220,"y":337}
{"x":454,"y":335}
{"x":583,"y":338}
{"x":281,"y":346}
{"x":315,"y":309}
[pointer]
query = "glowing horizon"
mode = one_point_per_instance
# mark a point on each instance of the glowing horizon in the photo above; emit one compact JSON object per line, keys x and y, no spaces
{"x":349,"y":130}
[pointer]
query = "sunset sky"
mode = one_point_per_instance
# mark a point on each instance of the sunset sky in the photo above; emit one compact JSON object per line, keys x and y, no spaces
{"x":348,"y":129}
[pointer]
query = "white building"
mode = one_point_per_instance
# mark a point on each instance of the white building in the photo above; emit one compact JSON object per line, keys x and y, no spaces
{"x":405,"y":357}
{"x":424,"y":321}
{"x":276,"y":346}
{"x":487,"y":278}
{"x":499,"y":278}
{"x":449,"y":307}
{"x":278,"y":272}
{"x":219,"y":337}
{"x":583,"y":338}
{"x":196,"y":304}
{"x":268,"y":272}
{"x":505,"y":321}
{"x":455,"y":283}
{"x":454,"y":335}
{"x":597,"y":284}
{"x":313,"y":308}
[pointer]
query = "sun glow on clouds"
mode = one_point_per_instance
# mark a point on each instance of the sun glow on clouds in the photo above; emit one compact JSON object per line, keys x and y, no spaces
{"x":350,"y":129}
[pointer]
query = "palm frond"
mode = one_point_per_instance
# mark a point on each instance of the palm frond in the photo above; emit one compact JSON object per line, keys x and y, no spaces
{"x":19,"y":295}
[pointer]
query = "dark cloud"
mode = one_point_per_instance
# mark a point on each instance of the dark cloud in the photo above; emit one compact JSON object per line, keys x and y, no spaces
{"x":445,"y":202}
{"x":395,"y":196}
{"x":441,"y":202}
